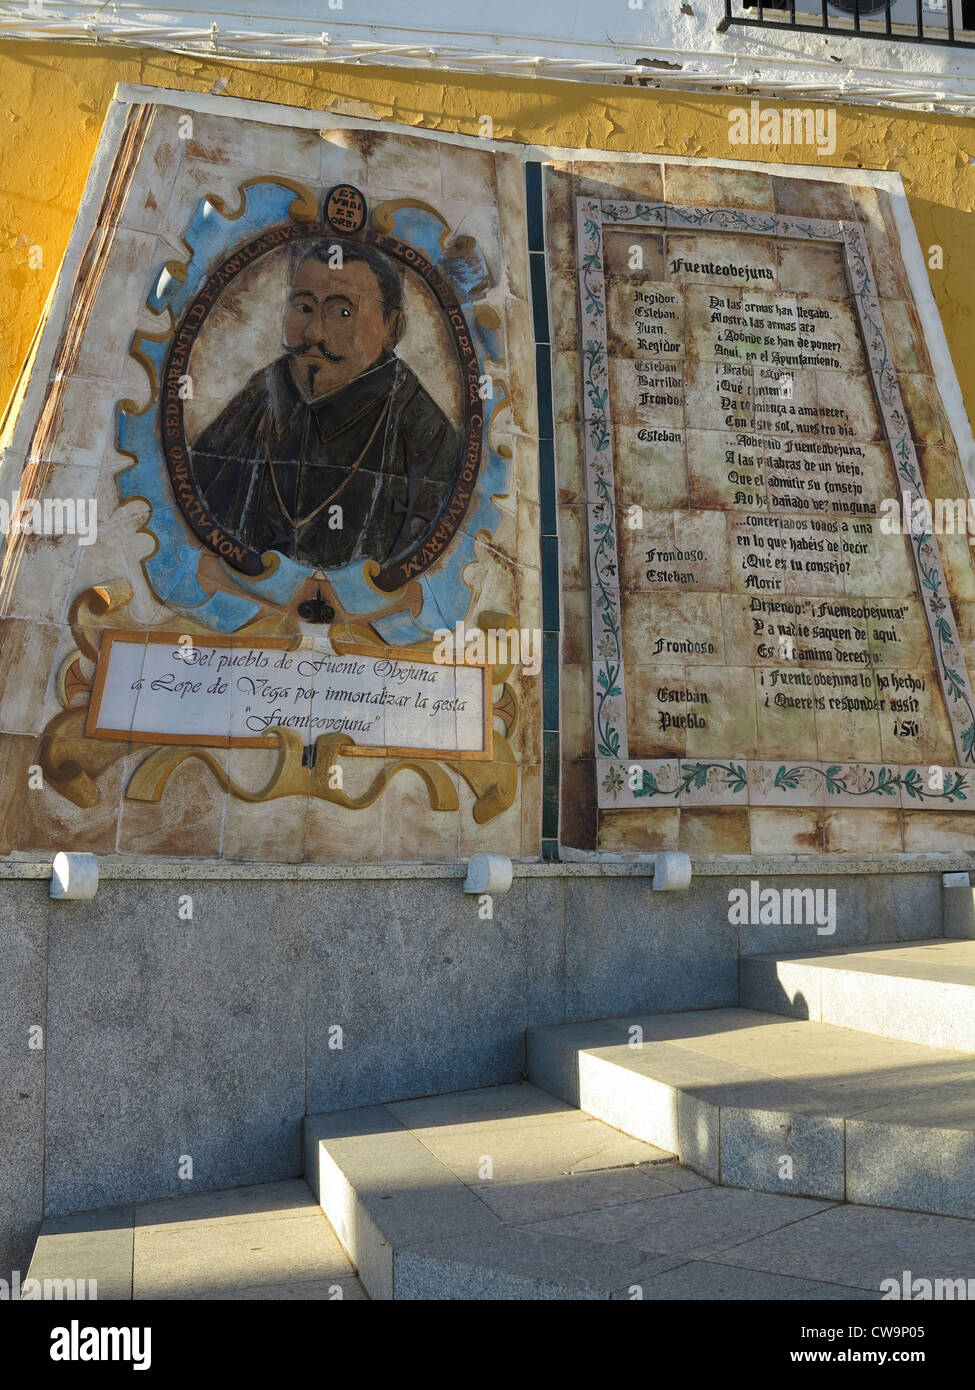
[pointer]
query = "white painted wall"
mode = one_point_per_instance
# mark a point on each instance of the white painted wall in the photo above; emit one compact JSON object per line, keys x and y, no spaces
{"x":666,"y":43}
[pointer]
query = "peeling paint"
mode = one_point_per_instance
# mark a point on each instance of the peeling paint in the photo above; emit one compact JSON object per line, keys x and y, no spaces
{"x":55,"y":97}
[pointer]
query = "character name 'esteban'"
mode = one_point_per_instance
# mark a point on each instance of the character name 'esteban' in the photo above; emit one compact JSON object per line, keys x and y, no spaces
{"x":338,"y":420}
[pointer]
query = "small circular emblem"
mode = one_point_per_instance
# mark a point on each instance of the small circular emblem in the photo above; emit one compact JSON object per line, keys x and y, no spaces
{"x":345,"y":209}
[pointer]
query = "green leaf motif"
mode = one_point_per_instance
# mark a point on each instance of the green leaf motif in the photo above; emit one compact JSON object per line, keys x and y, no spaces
{"x":648,"y":787}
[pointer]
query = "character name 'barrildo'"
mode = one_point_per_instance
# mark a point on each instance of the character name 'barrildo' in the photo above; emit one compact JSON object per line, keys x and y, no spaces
{"x":497,"y":646}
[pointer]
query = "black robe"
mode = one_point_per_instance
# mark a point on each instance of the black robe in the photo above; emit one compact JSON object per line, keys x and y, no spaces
{"x":270,"y":447}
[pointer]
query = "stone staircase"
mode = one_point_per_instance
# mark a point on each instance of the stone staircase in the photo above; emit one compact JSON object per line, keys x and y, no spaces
{"x":769,"y":1151}
{"x":505,"y":1193}
{"x":918,"y":991}
{"x":453,"y":1197}
{"x":779,"y":1105}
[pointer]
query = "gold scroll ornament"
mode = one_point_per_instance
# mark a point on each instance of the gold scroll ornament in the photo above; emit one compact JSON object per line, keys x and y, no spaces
{"x":73,"y":763}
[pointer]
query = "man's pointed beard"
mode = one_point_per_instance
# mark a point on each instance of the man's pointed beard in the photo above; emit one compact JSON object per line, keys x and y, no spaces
{"x":309,"y":368}
{"x":310,"y":371}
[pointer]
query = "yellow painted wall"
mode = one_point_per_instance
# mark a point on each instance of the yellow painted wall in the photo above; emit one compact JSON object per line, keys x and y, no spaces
{"x":53,"y":98}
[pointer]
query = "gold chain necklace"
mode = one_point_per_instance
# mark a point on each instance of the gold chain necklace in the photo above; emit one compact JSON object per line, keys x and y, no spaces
{"x":298,"y":523}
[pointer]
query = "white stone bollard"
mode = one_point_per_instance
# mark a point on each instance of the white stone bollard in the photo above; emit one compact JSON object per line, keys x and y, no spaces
{"x":488,"y":873}
{"x":74,"y":876}
{"x":671,"y":872}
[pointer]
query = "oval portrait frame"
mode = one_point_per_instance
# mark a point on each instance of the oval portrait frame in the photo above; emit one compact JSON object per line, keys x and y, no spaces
{"x":430,"y":546}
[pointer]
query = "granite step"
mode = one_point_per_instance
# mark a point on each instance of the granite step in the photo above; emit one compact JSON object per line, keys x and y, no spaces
{"x":430,"y":1198}
{"x":264,"y":1242}
{"x":508,"y":1193}
{"x":917,"y":991}
{"x":758,"y":1101}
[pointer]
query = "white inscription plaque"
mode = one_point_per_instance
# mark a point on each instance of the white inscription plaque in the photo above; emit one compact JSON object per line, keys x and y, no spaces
{"x":161,"y":688}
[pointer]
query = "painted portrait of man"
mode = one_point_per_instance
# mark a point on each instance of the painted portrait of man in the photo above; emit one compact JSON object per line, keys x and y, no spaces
{"x":338,"y":420}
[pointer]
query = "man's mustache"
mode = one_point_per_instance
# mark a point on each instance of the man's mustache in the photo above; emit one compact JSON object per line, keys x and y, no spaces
{"x":315,"y":350}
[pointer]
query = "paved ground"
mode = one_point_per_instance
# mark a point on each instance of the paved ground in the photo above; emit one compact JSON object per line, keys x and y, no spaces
{"x":264,"y":1242}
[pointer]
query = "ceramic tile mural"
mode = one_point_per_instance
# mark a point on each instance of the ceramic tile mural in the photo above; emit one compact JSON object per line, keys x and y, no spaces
{"x":454,"y":498}
{"x":295,"y":375}
{"x":760,"y":636}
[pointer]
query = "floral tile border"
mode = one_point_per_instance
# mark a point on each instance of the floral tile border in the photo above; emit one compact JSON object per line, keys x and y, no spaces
{"x":638,"y":783}
{"x":713,"y":782}
{"x":772,"y":782}
{"x":956,"y":792}
{"x":779,"y":783}
{"x":821,"y":783}
{"x":609,"y":706}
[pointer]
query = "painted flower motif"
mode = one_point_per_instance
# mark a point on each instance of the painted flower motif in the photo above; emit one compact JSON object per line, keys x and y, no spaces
{"x":859,"y":778}
{"x":764,"y":780}
{"x":715,"y":779}
{"x":668,"y":780}
{"x":607,"y":647}
{"x":609,"y":710}
{"x":613,"y":782}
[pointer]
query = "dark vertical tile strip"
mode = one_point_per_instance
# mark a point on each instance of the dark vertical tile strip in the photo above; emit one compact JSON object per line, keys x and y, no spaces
{"x":533,"y":198}
{"x":543,"y":386}
{"x":550,"y":690}
{"x":548,"y":514}
{"x":539,"y":287}
{"x":550,"y":584}
{"x":546,"y":490}
{"x":550,"y":785}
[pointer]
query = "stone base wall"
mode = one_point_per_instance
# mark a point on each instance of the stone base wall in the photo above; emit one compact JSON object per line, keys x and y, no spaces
{"x":168,"y":1036}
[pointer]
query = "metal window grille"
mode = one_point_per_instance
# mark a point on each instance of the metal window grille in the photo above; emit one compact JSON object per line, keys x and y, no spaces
{"x":949,"y":22}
